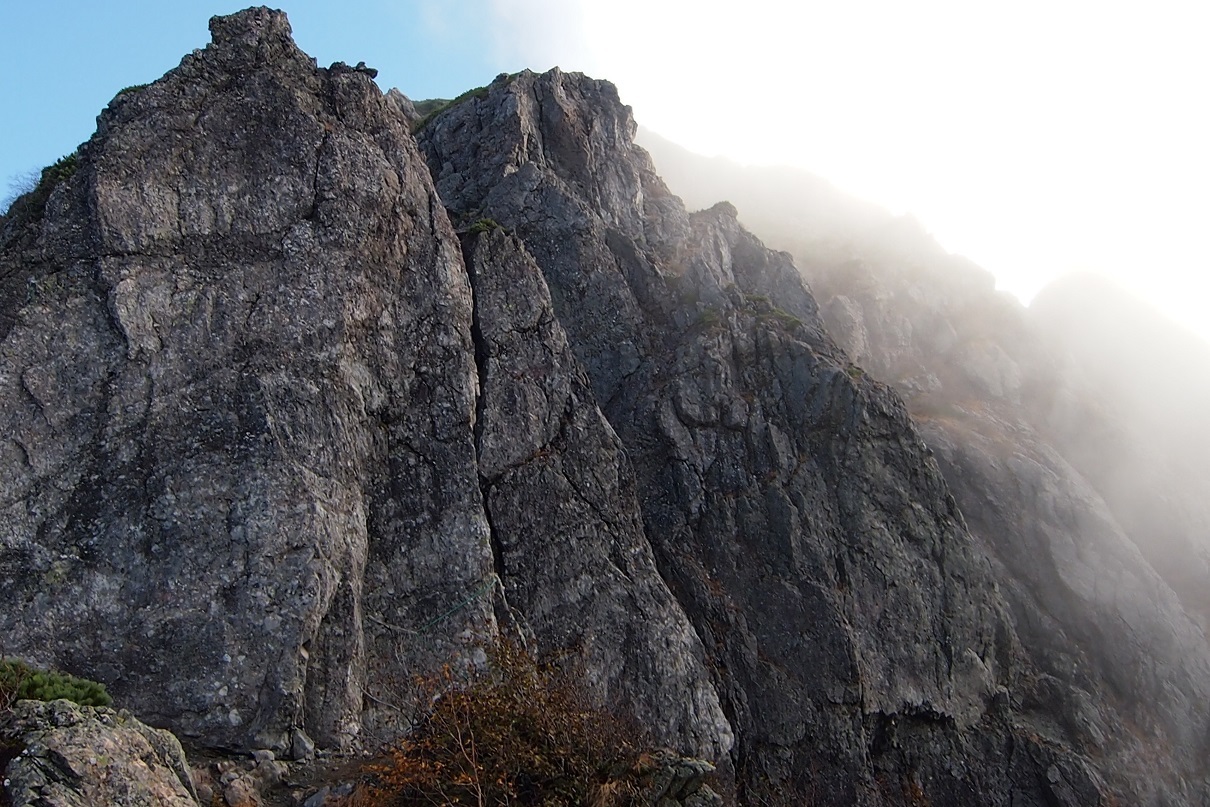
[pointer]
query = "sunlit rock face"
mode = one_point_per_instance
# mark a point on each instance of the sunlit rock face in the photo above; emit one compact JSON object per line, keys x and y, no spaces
{"x":238,"y":404}
{"x":1074,"y":440}
{"x":297,"y":405}
{"x":78,"y":756}
{"x":244,"y":435}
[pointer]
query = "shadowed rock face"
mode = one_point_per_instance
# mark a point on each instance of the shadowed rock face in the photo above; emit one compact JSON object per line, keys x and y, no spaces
{"x":276,"y":438}
{"x":565,"y":521}
{"x":1073,"y":440}
{"x":853,"y":628}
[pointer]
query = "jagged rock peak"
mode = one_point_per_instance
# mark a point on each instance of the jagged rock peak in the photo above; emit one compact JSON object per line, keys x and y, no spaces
{"x":252,"y":37}
{"x":568,"y":124}
{"x":239,"y":390}
{"x":284,"y":461}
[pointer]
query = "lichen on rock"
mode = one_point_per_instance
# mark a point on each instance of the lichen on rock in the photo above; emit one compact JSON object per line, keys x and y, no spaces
{"x":82,"y":756}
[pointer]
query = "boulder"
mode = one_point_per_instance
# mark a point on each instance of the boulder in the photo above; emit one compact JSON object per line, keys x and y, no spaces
{"x":81,"y":756}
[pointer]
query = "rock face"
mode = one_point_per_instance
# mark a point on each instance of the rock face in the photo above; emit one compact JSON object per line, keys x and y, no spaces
{"x":81,"y":756}
{"x":239,"y":419}
{"x":1032,"y":452}
{"x":297,"y":407}
{"x":560,"y":497}
{"x":242,"y":416}
{"x":853,"y":628}
{"x":1068,"y":437}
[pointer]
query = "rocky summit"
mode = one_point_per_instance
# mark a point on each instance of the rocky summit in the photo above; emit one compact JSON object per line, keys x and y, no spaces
{"x":305,"y":395}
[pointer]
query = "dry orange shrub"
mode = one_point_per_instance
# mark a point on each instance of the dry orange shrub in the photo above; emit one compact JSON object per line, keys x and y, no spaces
{"x":516,"y":733}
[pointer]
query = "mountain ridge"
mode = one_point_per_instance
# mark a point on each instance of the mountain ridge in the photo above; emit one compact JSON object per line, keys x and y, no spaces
{"x":1077,"y":411}
{"x":337,"y":426}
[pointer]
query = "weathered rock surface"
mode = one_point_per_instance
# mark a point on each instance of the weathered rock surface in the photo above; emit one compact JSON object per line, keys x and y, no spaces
{"x":667,"y":780}
{"x":81,"y":756}
{"x":1069,"y":439}
{"x":243,"y":483}
{"x":276,"y":438}
{"x":852,"y":626}
{"x":565,"y":519}
{"x":238,"y":457}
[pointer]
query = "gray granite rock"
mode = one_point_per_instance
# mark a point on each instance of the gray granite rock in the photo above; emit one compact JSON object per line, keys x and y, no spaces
{"x":274,"y":440}
{"x":81,"y":756}
{"x":792,"y":507}
{"x":238,"y":474}
{"x":566,"y":525}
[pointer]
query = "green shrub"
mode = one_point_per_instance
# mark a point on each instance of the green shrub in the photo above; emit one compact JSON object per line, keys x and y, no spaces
{"x":31,"y":206}
{"x":783,"y":318}
{"x":477,"y":92}
{"x":63,"y":169}
{"x":766,"y":311}
{"x":430,"y":108}
{"x":483,"y":226}
{"x":130,"y":89}
{"x":708,"y":319}
{"x":430,"y":105}
{"x":19,"y":681}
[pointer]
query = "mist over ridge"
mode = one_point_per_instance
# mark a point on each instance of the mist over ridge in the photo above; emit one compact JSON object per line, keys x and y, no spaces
{"x":1089,"y":403}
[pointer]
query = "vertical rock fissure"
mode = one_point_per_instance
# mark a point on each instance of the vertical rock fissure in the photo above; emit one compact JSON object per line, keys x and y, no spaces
{"x":482,"y":355}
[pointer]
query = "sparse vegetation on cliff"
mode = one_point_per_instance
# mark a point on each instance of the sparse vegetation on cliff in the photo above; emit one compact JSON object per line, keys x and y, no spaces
{"x":516,"y":732}
{"x":19,"y":681}
{"x":483,"y":226}
{"x":30,"y":205}
{"x":430,"y":108}
{"x":434,"y":107}
{"x":133,"y":88}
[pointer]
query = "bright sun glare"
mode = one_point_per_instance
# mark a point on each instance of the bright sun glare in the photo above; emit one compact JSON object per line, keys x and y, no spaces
{"x":1036,"y":138}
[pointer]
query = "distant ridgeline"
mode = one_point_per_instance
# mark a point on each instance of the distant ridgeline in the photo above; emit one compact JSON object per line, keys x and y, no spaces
{"x":308,"y":390}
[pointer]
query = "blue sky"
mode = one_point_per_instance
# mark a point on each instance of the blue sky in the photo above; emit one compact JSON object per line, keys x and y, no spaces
{"x":62,"y":62}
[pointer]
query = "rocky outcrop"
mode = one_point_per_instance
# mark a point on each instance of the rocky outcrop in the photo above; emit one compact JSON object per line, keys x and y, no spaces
{"x":565,"y":521}
{"x":297,"y":408}
{"x":238,"y":422}
{"x":1057,"y":431}
{"x":852,"y":626}
{"x":81,"y":756}
{"x":245,"y":427}
{"x":667,"y":780}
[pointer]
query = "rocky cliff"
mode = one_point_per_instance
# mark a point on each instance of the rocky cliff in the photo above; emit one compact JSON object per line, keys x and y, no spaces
{"x":298,"y":405}
{"x":1071,"y":488}
{"x":1072,"y":439}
